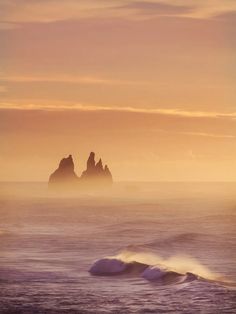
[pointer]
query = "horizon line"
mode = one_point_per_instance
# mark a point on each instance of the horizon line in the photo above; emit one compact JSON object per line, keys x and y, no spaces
{"x":138,"y":181}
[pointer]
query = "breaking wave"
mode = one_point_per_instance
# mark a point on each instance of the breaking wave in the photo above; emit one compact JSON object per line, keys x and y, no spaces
{"x":150,"y":266}
{"x":113,"y":266}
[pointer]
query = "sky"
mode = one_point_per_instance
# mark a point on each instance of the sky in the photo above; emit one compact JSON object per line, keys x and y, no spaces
{"x":148,"y":85}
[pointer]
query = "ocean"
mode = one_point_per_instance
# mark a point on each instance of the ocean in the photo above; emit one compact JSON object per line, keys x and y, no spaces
{"x":176,"y":243}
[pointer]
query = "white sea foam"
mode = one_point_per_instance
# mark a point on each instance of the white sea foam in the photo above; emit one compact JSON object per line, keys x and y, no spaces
{"x":181,"y":264}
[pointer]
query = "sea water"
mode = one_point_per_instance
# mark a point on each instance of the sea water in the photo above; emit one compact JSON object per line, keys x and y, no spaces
{"x":49,"y":242}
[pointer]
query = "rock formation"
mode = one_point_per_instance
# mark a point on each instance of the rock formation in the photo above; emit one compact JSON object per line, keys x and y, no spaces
{"x":65,"y":173}
{"x":95,"y":172}
{"x":95,"y":175}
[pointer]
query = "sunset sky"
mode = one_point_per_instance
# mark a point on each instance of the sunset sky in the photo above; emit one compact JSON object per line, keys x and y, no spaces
{"x":148,"y":85}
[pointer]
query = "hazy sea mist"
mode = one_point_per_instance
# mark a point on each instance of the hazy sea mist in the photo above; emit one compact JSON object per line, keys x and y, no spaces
{"x":48,"y":243}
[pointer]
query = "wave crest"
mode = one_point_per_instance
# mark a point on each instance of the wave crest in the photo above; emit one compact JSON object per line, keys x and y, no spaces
{"x":150,"y":266}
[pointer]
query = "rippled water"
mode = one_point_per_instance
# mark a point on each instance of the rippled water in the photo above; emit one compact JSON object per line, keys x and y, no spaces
{"x":48,"y":244}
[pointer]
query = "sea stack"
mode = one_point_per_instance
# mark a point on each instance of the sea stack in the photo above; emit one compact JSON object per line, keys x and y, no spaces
{"x":95,"y":175}
{"x":64,"y":175}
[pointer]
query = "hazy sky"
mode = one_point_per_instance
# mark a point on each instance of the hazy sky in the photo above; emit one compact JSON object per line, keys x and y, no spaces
{"x":148,"y":85}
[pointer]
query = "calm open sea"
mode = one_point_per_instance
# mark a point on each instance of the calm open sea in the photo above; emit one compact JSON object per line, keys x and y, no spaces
{"x":48,"y":244}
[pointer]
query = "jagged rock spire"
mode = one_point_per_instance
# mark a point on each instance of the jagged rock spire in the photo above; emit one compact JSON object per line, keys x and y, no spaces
{"x":107,"y":174}
{"x":91,"y":161}
{"x":99,"y":166}
{"x":64,"y":173}
{"x":67,"y":163}
{"x":95,"y":175}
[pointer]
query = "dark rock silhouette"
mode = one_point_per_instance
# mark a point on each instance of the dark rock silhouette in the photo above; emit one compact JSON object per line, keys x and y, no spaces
{"x":99,"y":166}
{"x":91,"y":161}
{"x":95,"y":175}
{"x":65,"y":173}
{"x":91,"y":167}
{"x":107,"y":174}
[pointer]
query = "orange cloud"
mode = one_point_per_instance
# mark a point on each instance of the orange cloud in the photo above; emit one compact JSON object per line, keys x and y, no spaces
{"x":202,"y":134}
{"x":70,"y":79}
{"x":81,"y":107}
{"x":51,"y":11}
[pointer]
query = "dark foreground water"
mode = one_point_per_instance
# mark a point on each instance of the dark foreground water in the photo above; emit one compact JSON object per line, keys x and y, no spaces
{"x":48,"y":243}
